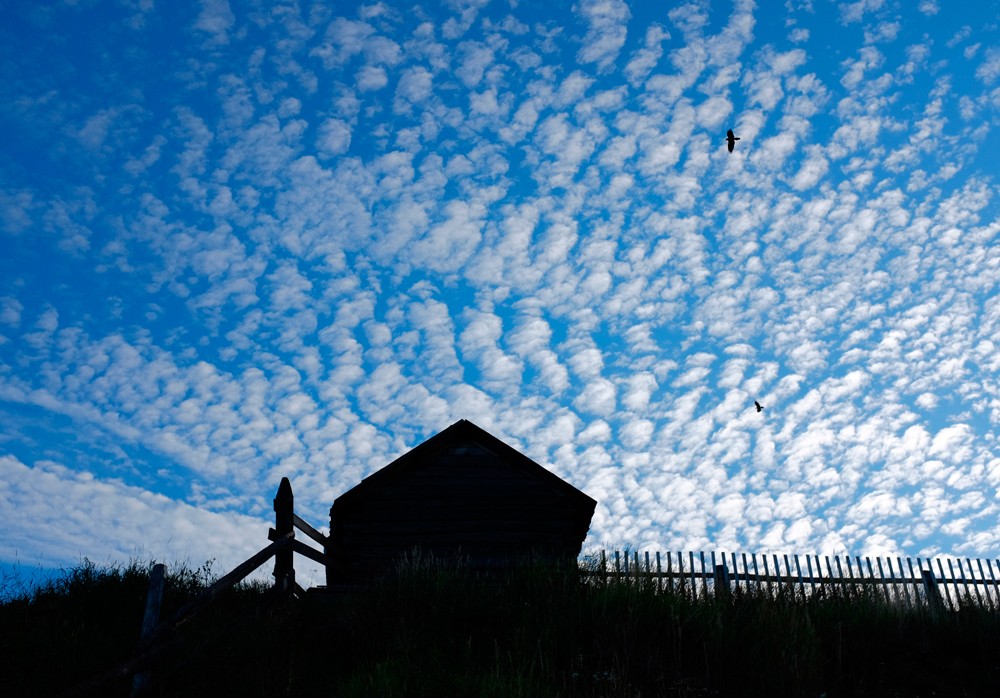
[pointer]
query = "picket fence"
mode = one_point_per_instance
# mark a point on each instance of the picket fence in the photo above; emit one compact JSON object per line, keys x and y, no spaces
{"x":939,"y":583}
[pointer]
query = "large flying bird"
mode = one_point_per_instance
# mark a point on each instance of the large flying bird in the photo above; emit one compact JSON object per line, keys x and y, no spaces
{"x":757,"y":404}
{"x":731,"y":140}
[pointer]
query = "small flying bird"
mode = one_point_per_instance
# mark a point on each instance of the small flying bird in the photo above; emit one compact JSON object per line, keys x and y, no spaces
{"x":731,"y":140}
{"x":755,"y":403}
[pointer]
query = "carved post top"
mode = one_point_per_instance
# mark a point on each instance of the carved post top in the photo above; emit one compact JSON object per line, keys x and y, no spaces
{"x":284,"y":498}
{"x":284,"y":523}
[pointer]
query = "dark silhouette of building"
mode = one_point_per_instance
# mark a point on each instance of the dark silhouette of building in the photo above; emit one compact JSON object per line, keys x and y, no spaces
{"x":462,"y":494}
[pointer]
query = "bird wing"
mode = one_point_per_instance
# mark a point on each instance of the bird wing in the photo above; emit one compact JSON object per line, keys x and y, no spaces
{"x":729,"y":134}
{"x":731,"y":144}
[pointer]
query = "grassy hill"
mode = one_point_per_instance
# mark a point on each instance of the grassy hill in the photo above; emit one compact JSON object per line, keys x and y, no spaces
{"x":433,"y":631}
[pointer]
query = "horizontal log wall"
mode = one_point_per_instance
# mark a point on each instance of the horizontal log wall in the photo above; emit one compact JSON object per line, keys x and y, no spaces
{"x":462,"y":501}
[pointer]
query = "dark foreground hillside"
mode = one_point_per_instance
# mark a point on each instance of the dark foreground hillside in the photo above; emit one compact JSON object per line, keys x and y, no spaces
{"x":433,"y":632}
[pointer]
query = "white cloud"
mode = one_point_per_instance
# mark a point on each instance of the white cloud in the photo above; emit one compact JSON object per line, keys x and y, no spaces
{"x":607,"y":22}
{"x":216,"y":18}
{"x":413,"y":88}
{"x":855,"y":11}
{"x":597,"y":397}
{"x":53,"y":517}
{"x":10,"y":311}
{"x":371,"y":77}
{"x":647,"y":58}
{"x":334,"y":137}
{"x":468,"y":11}
{"x":15,"y":210}
{"x":476,"y":57}
{"x":450,"y":243}
{"x":812,"y":170}
{"x":989,"y":70}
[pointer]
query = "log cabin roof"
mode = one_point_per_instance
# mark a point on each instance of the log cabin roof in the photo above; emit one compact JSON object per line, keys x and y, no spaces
{"x":465,"y":433}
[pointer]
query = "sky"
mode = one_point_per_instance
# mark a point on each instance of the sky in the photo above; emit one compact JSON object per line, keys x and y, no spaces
{"x":247,"y":240}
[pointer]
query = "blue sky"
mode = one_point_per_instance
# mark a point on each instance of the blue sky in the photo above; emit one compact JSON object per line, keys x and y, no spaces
{"x":248,"y":240}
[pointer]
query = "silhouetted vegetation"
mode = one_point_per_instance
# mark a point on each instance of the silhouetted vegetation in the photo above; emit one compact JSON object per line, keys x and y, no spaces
{"x":437,"y":630}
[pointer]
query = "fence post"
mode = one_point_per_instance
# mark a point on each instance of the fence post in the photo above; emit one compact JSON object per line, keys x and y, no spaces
{"x":721,"y":583}
{"x":934,"y":600}
{"x":154,"y":599}
{"x":284,"y":510}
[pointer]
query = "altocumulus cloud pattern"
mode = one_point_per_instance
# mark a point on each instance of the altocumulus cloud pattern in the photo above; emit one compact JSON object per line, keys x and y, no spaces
{"x":246,"y":240}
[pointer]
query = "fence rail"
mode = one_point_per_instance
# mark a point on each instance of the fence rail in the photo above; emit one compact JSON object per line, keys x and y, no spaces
{"x":939,"y":583}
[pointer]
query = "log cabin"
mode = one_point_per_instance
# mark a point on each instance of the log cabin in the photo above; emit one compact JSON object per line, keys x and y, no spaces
{"x":461,"y":495}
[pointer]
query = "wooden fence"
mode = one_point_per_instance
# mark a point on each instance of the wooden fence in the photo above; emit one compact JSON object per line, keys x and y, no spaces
{"x":940,"y":584}
{"x":155,"y":632}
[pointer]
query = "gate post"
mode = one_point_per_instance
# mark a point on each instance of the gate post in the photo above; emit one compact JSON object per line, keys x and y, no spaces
{"x":284,"y":511}
{"x":934,"y":600}
{"x":150,"y":619}
{"x":721,"y":580}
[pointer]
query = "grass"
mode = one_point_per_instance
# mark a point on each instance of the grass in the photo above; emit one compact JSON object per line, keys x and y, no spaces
{"x":435,"y":630}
